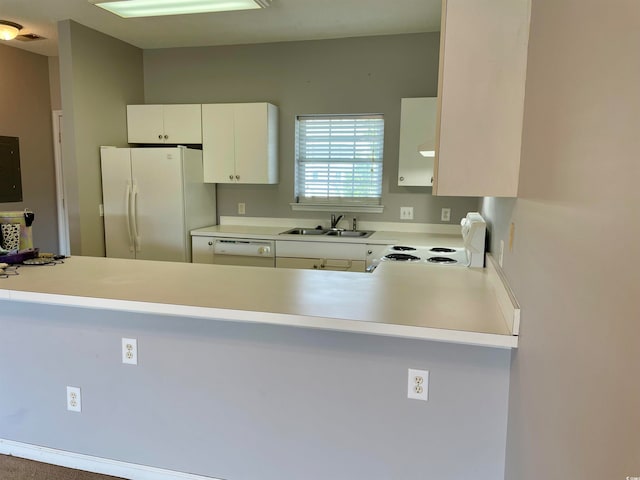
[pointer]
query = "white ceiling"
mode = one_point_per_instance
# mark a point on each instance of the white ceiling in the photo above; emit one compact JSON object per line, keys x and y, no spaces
{"x":285,"y":20}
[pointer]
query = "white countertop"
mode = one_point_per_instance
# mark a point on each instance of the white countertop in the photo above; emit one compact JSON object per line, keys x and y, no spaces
{"x":442,"y":303}
{"x":378,"y":237}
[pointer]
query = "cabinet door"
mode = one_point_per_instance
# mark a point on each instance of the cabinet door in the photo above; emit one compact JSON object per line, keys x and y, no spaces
{"x":481,"y":81}
{"x":182,"y":124}
{"x":145,"y":124}
{"x":304,"y":263}
{"x":417,"y":128}
{"x":321,"y":264}
{"x":202,"y":250}
{"x":252,"y":143}
{"x":218,"y":144}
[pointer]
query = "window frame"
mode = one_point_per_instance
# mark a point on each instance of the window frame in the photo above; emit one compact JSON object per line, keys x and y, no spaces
{"x":344,"y":203}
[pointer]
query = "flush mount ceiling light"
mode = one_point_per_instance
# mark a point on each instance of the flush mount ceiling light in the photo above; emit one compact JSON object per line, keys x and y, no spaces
{"x":156,"y":8}
{"x":9,"y":30}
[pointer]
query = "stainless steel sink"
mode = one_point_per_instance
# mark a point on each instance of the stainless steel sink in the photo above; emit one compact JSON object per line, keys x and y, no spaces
{"x":305,"y":231}
{"x":330,"y":233}
{"x":350,"y":233}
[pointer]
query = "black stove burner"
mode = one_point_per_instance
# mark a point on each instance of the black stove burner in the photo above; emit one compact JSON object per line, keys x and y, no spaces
{"x":441,"y":260}
{"x":400,"y":248}
{"x":442,"y":250}
{"x":401,"y":257}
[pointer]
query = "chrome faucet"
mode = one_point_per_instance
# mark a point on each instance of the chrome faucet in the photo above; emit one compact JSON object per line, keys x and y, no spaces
{"x":335,"y":221}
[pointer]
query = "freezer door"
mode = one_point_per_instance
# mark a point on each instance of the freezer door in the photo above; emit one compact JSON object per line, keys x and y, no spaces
{"x":116,"y":189}
{"x":158,"y":204}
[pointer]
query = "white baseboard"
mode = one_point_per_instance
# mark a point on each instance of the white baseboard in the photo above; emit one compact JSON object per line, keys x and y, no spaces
{"x":104,"y":466}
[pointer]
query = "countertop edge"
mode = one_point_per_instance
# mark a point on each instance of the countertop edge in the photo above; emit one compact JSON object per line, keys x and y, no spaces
{"x":290,"y":320}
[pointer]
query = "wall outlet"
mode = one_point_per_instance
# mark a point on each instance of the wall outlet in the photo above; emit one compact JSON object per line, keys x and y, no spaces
{"x":406,"y":213}
{"x":74,"y":400}
{"x":241,"y":209}
{"x":445,"y":215}
{"x":130,"y":351}
{"x":501,"y":256}
{"x":418,"y":384}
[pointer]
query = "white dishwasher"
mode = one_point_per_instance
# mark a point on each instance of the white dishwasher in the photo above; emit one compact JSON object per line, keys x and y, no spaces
{"x":245,"y":252}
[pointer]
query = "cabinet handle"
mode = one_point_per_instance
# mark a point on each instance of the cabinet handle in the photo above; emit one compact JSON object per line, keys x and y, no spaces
{"x":402,"y":179}
{"x":210,"y":243}
{"x":166,"y":136}
{"x":315,"y":266}
{"x":369,"y":252}
{"x":237,"y":177}
{"x":431,"y":179}
{"x":159,"y":137}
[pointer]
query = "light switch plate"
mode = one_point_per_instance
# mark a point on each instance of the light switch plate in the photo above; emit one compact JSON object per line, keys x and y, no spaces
{"x":406,"y":213}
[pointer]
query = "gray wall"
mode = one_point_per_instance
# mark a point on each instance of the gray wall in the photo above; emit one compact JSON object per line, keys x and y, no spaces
{"x":99,"y":76}
{"x":366,"y":74}
{"x":575,"y":393}
{"x":26,"y":113}
{"x":249,"y":401}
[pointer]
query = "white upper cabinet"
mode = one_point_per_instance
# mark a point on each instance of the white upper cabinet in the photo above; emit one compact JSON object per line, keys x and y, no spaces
{"x":164,"y":124}
{"x":483,"y":59}
{"x":417,"y":129}
{"x":240,"y":143}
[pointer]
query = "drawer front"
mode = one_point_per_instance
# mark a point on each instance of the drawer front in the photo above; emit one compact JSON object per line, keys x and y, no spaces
{"x":339,"y":251}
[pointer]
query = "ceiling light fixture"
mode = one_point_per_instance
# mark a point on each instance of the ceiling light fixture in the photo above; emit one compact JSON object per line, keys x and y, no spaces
{"x":156,"y":8}
{"x":9,"y":30}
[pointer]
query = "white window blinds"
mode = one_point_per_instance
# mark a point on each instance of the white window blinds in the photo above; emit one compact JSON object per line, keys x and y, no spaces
{"x":339,"y":158}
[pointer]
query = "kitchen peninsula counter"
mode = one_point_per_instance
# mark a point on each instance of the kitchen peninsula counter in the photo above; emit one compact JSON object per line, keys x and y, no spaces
{"x":458,"y":305}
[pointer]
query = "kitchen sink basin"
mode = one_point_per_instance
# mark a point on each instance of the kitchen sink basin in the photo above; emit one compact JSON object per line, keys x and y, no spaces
{"x":350,"y":233}
{"x":305,"y":231}
{"x":329,"y":233}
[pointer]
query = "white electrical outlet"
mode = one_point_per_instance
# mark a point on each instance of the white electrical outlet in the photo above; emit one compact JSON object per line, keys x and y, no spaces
{"x":418,"y":384}
{"x":501,"y":256}
{"x":445,"y":215}
{"x":74,"y":400}
{"x":130,"y":351}
{"x":241,"y":208}
{"x":406,"y":213}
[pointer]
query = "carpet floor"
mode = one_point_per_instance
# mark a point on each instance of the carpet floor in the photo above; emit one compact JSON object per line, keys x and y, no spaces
{"x":13,"y":468}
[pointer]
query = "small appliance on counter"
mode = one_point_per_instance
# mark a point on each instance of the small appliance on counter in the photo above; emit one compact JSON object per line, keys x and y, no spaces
{"x":473,"y":228}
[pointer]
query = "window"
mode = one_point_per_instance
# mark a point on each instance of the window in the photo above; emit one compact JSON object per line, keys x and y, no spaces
{"x":339,"y":159}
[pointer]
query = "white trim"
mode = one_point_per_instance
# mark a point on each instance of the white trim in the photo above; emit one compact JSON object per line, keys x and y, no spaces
{"x":89,"y":463}
{"x":507,"y":301}
{"x":63,"y":219}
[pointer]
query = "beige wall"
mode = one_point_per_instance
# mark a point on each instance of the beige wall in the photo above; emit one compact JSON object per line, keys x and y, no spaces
{"x":366,"y":74}
{"x":54,"y":83}
{"x":26,"y":114}
{"x":575,"y":392}
{"x":99,"y":75}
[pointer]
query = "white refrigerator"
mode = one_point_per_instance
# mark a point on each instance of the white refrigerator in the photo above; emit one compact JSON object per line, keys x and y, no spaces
{"x":152,"y":199}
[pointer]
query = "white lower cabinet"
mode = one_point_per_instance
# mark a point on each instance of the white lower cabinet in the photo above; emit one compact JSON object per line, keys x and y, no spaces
{"x":345,"y":257}
{"x":321,"y":264}
{"x":201,"y":249}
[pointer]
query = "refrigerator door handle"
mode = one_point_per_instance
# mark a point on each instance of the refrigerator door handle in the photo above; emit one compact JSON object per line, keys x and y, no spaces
{"x":128,"y":203}
{"x":134,"y":211}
